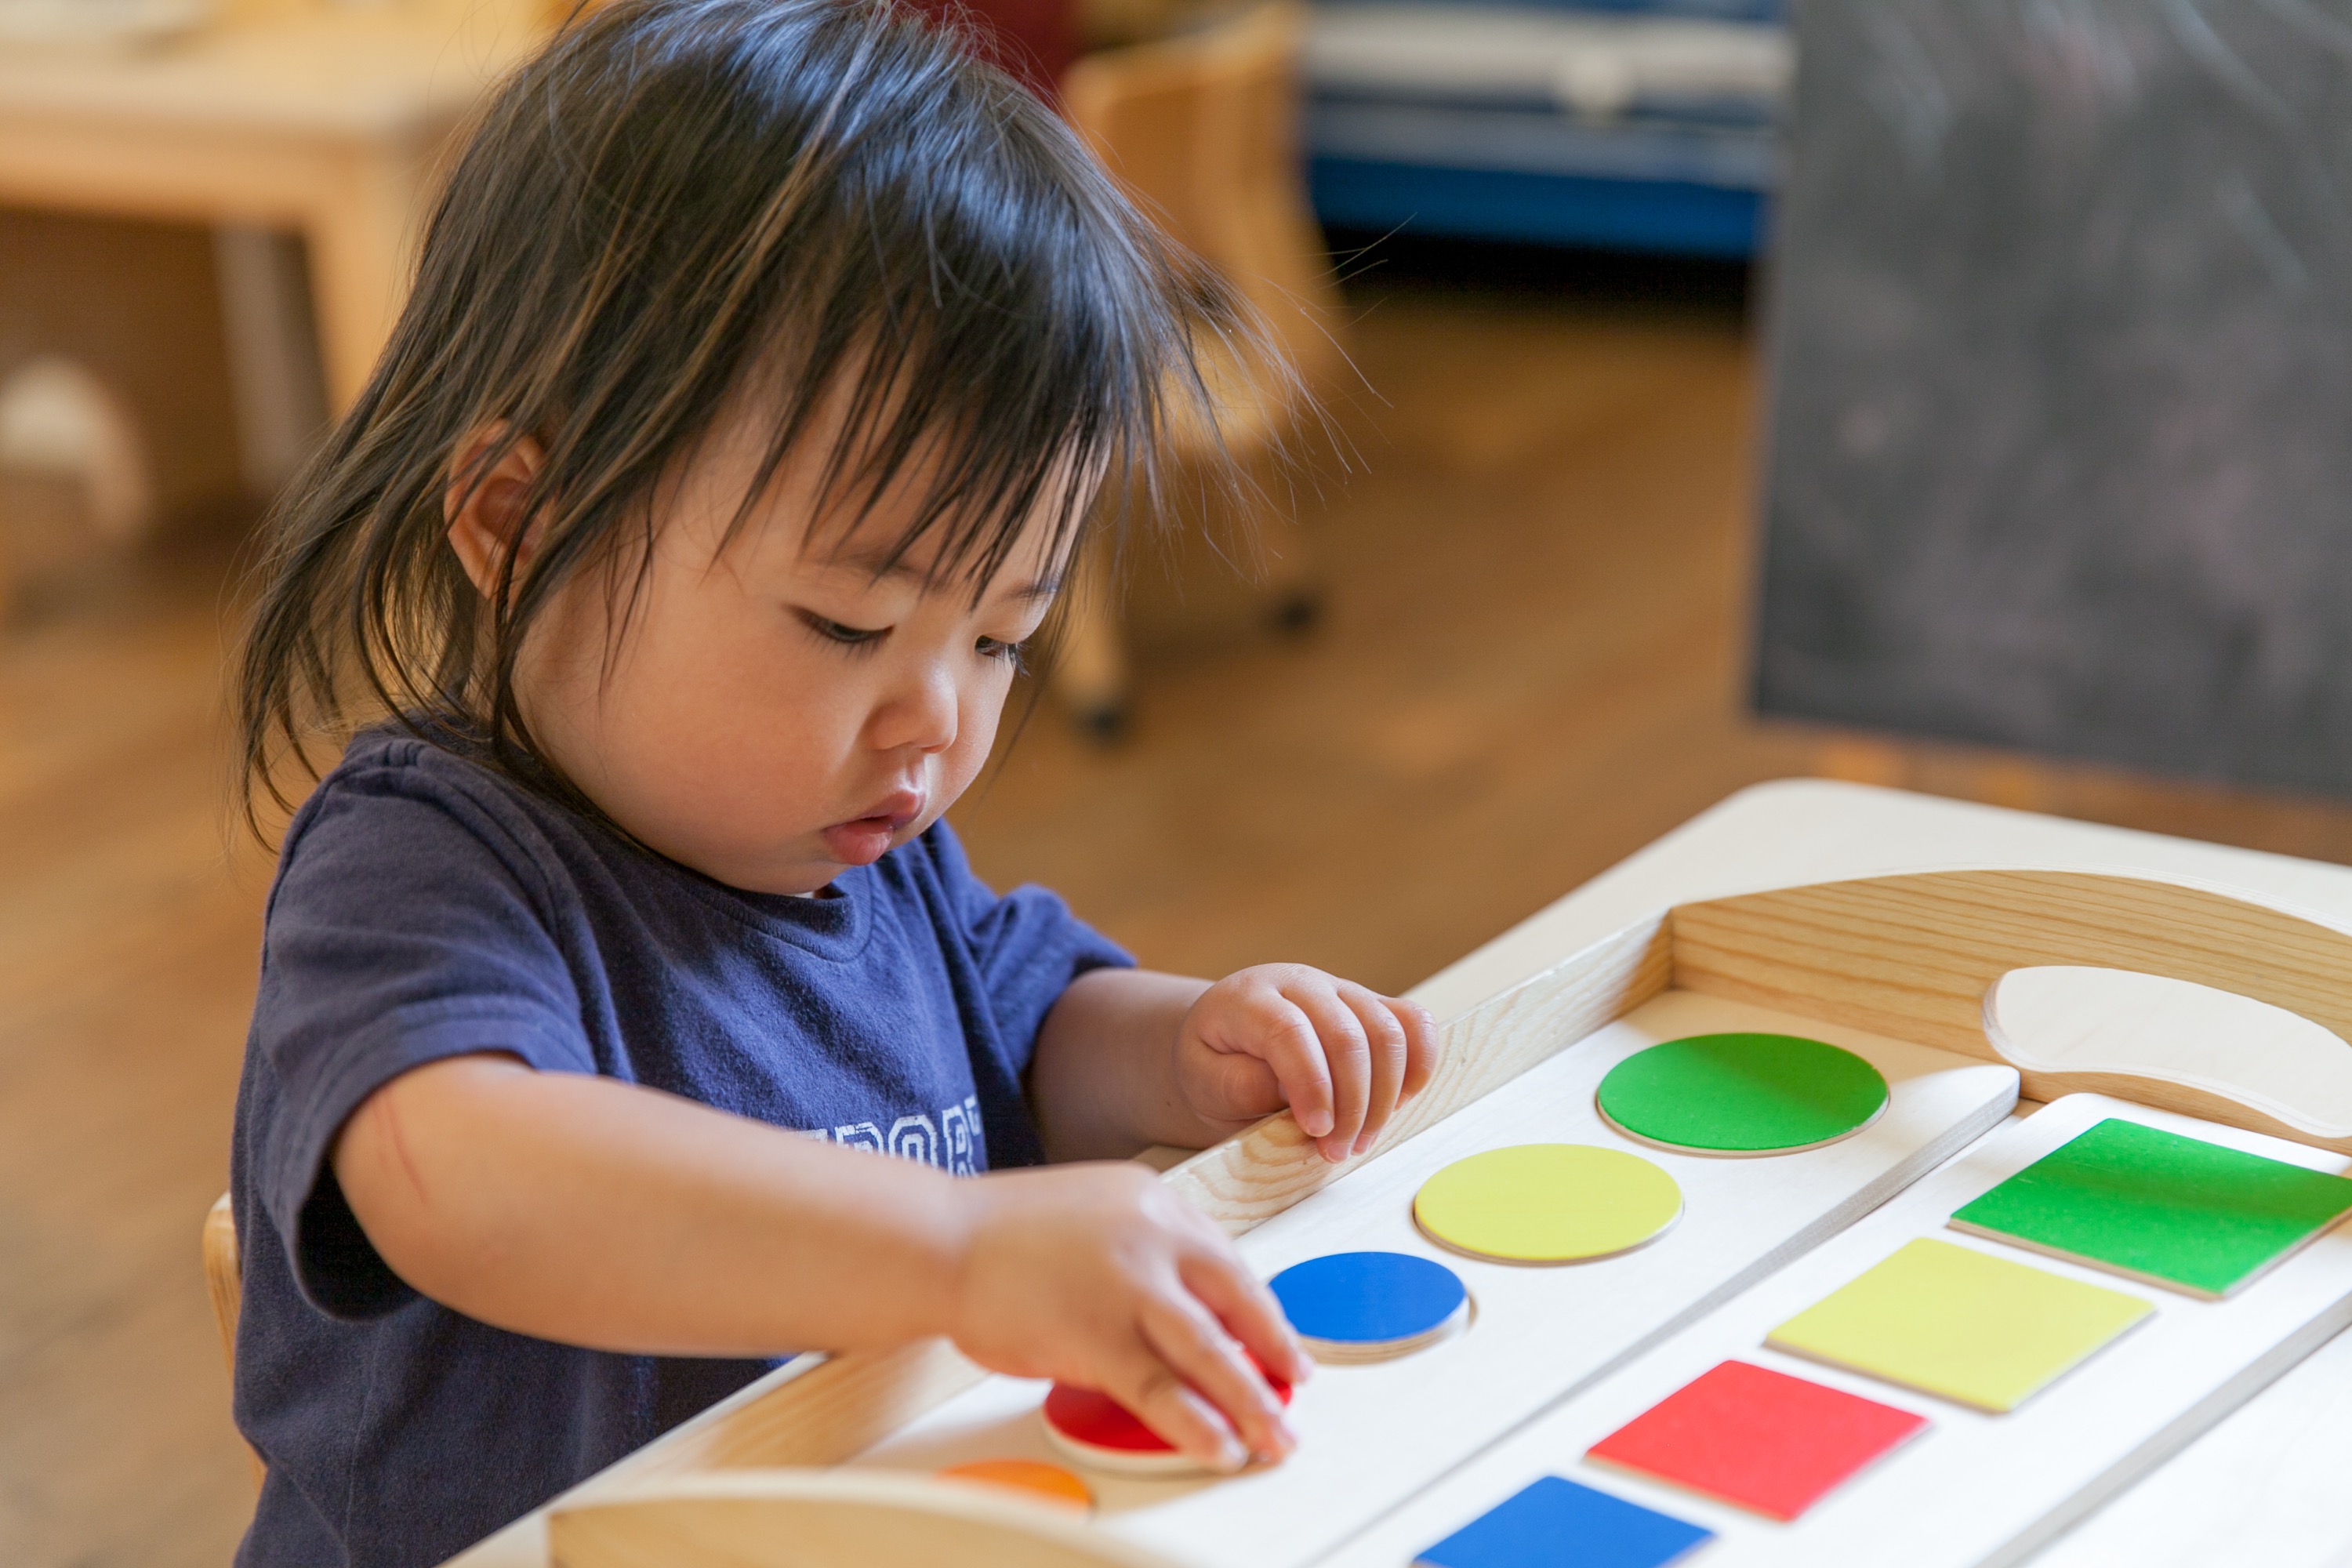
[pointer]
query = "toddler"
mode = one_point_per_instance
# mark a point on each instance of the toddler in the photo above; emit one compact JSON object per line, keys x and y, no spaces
{"x":629,"y":1016}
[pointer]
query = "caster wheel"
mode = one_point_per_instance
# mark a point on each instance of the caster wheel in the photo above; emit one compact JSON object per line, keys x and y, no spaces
{"x":1106,"y":724}
{"x":1297,"y":614}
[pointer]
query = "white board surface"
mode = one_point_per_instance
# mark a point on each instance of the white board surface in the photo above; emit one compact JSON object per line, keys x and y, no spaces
{"x":1371,"y":1436}
{"x":1975,"y":1488}
{"x":2265,"y":1486}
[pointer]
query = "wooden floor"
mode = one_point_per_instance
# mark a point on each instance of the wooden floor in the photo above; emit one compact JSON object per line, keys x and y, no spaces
{"x":1529,"y":667}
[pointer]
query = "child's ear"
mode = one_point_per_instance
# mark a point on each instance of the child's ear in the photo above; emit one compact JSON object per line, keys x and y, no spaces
{"x":485,"y":511}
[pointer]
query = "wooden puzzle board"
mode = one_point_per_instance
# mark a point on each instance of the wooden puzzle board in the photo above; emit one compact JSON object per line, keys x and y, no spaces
{"x":1372,"y":1435}
{"x":2264,"y":1485}
{"x":1975,"y":1488}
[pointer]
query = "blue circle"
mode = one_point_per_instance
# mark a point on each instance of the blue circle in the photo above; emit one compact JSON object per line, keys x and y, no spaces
{"x":1368,"y":1297}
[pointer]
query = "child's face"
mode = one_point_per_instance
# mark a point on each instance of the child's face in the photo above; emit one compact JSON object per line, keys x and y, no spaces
{"x":775,"y":711}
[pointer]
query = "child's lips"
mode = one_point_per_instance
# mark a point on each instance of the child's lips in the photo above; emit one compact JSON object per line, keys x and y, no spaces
{"x":862,"y":841}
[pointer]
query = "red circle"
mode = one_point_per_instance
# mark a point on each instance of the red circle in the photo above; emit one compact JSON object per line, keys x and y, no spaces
{"x":1098,"y":1420}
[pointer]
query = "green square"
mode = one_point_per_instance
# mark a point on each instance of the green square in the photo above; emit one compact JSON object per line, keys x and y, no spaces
{"x":2160,"y":1208}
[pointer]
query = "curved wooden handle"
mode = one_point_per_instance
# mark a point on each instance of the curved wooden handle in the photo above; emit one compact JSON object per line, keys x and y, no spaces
{"x":1914,"y":956}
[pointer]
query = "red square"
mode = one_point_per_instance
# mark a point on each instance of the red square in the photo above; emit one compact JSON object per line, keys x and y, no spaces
{"x":1761,"y":1439}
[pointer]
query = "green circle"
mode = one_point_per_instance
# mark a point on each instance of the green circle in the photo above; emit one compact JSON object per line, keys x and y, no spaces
{"x":1742,"y":1094}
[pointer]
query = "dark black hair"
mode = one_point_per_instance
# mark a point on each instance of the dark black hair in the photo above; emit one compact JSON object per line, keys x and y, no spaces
{"x":675,"y":202}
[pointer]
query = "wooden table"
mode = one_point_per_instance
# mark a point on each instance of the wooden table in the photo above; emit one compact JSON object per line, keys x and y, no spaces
{"x":326,"y":124}
{"x":2268,"y":1485}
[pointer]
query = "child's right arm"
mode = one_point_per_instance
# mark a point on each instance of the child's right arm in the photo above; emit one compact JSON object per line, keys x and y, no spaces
{"x":603,"y":1213}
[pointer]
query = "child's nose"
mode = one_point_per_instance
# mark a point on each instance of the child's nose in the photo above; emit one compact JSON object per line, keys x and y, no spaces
{"x":921,"y":715}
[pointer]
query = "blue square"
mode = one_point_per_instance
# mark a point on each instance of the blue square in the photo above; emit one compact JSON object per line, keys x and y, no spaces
{"x":1559,"y":1524}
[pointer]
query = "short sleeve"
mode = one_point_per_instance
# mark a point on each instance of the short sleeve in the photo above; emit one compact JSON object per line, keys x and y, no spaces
{"x":404,"y":928}
{"x":1028,"y":945}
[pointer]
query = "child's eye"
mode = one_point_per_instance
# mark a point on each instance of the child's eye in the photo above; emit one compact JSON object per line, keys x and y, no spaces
{"x":834,"y":631}
{"x":996,"y":648}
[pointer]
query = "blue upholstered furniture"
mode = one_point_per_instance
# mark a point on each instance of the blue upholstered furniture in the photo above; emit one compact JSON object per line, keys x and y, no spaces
{"x":1627,"y":124}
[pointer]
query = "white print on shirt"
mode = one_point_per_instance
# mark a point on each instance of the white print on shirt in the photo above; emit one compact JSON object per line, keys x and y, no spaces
{"x":960,"y":1126}
{"x":952,"y":1142}
{"x":914,"y":1138}
{"x":859,"y":1135}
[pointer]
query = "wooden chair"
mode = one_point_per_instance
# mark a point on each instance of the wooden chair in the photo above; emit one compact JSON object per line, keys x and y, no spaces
{"x":70,"y":440}
{"x":224,"y":1278}
{"x":224,"y":1274}
{"x":1202,"y":131}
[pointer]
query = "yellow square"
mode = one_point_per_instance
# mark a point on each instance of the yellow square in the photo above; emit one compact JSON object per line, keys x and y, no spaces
{"x":1961,"y":1324}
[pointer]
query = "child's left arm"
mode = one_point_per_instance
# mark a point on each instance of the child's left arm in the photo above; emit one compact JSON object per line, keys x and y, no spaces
{"x":1128,"y":1058}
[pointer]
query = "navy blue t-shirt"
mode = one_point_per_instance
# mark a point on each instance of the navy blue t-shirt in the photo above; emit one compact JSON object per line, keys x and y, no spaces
{"x":426,"y":907}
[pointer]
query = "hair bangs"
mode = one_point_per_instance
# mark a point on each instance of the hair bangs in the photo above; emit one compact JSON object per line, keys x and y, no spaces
{"x":824,"y":215}
{"x":1017,"y":370}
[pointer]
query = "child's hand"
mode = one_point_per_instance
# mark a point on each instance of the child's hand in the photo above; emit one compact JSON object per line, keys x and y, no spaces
{"x":1342,"y":1057}
{"x":1103,"y":1277}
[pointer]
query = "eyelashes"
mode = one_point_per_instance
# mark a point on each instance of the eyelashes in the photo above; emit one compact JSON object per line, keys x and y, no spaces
{"x":834,"y":632}
{"x":864,"y":639}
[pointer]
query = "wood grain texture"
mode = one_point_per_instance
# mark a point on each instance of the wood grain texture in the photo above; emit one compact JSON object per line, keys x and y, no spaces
{"x":1917,"y":955}
{"x":1256,"y":1175}
{"x":814,"y":1416}
{"x":783,"y":1519}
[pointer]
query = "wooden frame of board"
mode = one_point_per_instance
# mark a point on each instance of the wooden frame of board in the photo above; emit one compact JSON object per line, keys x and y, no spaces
{"x":1915,"y":956}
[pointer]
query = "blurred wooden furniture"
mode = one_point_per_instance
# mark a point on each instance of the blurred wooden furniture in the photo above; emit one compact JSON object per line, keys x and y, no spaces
{"x":223,"y":1272}
{"x":224,"y":1278}
{"x":119,"y":415}
{"x":1202,"y":131}
{"x":66,"y":432}
{"x":317,"y":119}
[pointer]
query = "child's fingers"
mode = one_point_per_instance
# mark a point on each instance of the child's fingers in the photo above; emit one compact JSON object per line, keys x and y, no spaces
{"x":1347,"y":1057}
{"x":1422,"y":1044}
{"x":1386,"y":1051}
{"x":1212,"y":1365}
{"x":1249,"y":1312}
{"x":1295,"y":1052}
{"x":1241,"y":1087}
{"x":1157,"y":1395}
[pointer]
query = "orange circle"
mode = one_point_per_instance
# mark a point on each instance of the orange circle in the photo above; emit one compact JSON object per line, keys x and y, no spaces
{"x":1049,"y":1482}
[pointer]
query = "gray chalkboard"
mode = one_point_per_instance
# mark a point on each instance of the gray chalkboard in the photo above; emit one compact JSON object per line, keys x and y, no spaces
{"x":2061,"y":335}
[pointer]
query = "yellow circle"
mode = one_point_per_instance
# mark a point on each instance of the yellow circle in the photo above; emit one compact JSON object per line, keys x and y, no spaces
{"x":1546,"y":1203}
